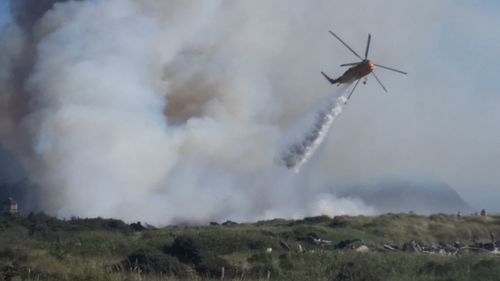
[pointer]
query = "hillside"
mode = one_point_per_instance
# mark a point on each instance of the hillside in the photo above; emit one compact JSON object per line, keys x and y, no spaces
{"x":387,"y":247}
{"x":419,"y":196}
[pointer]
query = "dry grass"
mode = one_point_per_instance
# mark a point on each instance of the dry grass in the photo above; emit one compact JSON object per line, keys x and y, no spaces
{"x":44,"y":249}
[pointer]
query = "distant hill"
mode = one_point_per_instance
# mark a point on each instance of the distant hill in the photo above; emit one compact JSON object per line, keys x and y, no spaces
{"x":400,"y":195}
{"x":14,"y":182}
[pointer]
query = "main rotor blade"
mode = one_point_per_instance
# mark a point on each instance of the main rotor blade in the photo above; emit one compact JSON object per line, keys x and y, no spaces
{"x":352,"y":91}
{"x":349,"y":64}
{"x":378,"y":80}
{"x":393,"y":69}
{"x":345,"y":44}
{"x":368,"y":45}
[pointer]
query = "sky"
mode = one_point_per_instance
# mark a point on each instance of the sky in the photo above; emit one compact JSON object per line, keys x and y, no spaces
{"x":4,"y":13}
{"x":250,"y":71}
{"x":442,"y":119}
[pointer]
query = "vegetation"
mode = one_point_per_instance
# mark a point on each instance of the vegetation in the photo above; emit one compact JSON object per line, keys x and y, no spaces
{"x":39,"y":247}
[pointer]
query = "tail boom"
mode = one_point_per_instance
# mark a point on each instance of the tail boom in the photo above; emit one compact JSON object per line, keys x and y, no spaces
{"x":331,"y":80}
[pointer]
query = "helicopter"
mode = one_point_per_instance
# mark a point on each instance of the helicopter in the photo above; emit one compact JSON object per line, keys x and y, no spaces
{"x":358,"y":70}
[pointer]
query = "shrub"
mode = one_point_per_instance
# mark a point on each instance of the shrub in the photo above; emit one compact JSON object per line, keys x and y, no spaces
{"x":153,"y":261}
{"x":314,"y":220}
{"x":261,"y":258}
{"x":360,"y":268}
{"x":211,"y":266}
{"x":306,"y":233}
{"x":207,"y":264}
{"x":285,"y":262}
{"x":257,"y":244}
{"x":13,"y":255}
{"x":339,"y":221}
{"x":186,"y":249}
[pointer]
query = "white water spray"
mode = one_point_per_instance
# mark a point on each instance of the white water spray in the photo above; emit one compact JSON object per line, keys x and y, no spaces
{"x":302,"y":149}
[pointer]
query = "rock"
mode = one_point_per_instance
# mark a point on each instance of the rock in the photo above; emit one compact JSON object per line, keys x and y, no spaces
{"x":488,"y":247}
{"x":412,"y":246}
{"x":301,"y":250}
{"x":269,"y":250}
{"x":362,"y":249}
{"x":284,"y":245}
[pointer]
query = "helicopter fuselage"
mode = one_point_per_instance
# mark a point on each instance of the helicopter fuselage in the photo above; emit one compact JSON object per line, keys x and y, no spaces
{"x":356,"y":72}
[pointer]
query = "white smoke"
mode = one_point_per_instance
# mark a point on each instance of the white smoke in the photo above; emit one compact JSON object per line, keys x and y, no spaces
{"x":329,"y":205}
{"x":166,"y":111}
{"x":308,"y":140}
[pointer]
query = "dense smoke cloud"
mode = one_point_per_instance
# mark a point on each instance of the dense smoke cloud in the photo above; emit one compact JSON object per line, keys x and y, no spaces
{"x":157,"y":111}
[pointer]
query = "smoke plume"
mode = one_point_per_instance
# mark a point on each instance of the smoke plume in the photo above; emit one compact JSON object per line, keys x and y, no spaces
{"x":162,"y":111}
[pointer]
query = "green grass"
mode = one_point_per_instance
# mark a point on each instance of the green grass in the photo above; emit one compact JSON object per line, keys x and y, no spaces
{"x":42,"y":248}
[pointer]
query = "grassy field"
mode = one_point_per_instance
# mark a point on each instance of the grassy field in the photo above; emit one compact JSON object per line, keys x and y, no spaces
{"x":39,"y":247}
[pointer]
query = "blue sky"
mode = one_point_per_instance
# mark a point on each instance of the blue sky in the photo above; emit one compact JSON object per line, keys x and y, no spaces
{"x":4,"y":12}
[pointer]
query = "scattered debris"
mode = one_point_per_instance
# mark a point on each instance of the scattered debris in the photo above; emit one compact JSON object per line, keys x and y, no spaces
{"x":412,"y":246}
{"x":389,"y":247}
{"x":443,"y":249}
{"x":319,"y":241}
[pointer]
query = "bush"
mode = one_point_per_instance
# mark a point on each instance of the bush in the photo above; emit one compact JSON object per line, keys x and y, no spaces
{"x":211,"y":266}
{"x":360,"y":268}
{"x":306,"y":233}
{"x":314,"y":220}
{"x":285,"y":262}
{"x":261,"y":258}
{"x":339,"y":221}
{"x":14,"y":255}
{"x":153,"y":261}
{"x":186,"y":249}
{"x":257,"y":244}
{"x":207,"y":264}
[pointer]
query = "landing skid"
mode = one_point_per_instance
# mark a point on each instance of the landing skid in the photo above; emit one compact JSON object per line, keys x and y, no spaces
{"x":352,"y":91}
